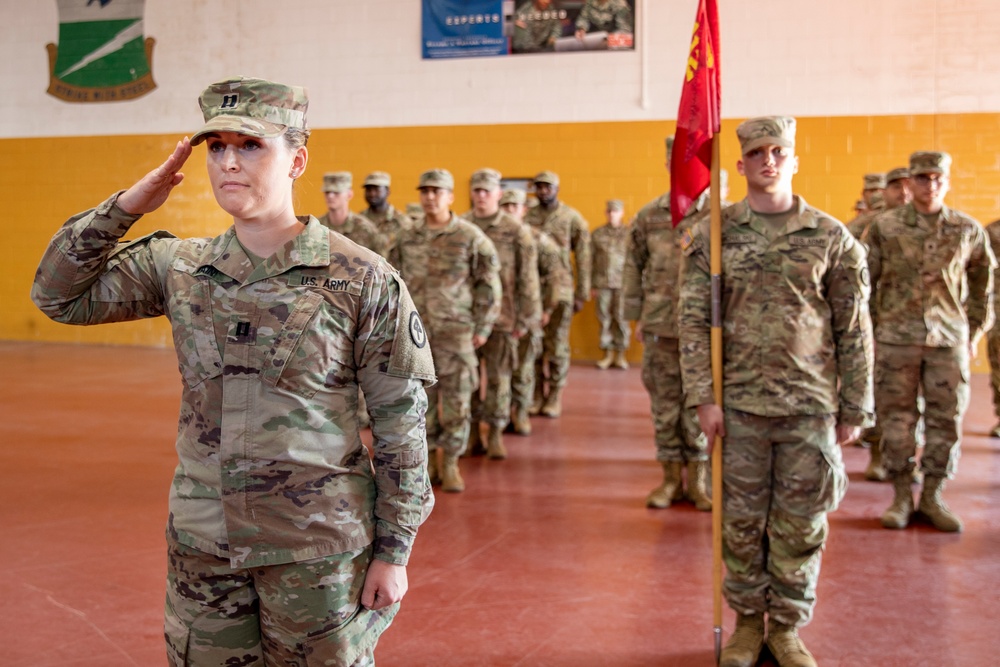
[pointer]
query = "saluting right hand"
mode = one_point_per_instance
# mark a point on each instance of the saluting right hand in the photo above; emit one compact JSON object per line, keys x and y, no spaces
{"x":153,"y":189}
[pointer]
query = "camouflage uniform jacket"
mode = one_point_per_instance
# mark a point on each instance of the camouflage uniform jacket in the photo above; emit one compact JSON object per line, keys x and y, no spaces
{"x":554,"y":272}
{"x":521,"y":302}
{"x":271,"y":465}
{"x":572,"y":233}
{"x":389,"y":223}
{"x":796,"y":331}
{"x":608,"y":246}
{"x":859,"y":225}
{"x":932,"y":286}
{"x":993,"y":234}
{"x":361,"y":230}
{"x":611,"y":16}
{"x":653,"y":266}
{"x":454,"y":275}
{"x":541,"y":27}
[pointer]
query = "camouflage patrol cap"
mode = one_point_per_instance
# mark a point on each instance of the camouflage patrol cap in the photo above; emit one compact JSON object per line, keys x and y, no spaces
{"x":513,"y":196}
{"x":877,"y":202}
{"x":414,"y":210}
{"x":337,"y":181}
{"x":437,"y":178}
{"x":897,"y":174}
{"x":615,"y":205}
{"x":550,"y":177}
{"x":485,"y":179}
{"x":254,"y":107}
{"x":766,"y":131}
{"x":875,"y":182}
{"x":670,"y":146}
{"x":930,"y":162}
{"x":860,"y":205}
{"x":378,"y":178}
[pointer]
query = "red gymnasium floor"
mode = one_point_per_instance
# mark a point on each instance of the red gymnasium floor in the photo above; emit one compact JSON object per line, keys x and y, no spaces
{"x":549,"y":559}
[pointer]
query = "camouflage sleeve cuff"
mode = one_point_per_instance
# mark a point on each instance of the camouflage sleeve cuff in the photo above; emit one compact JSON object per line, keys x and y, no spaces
{"x":111,"y":218}
{"x":851,"y":415}
{"x":695,"y":398}
{"x":392,"y":546}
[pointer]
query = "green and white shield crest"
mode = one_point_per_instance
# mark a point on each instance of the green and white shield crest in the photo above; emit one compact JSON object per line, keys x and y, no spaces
{"x":102,"y":55}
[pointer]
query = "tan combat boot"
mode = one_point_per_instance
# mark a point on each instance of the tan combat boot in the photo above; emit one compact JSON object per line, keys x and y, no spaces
{"x":899,"y":512}
{"x":451,"y":479}
{"x":605,"y":363}
{"x":995,"y":432}
{"x":433,"y":472}
{"x":933,"y":507}
{"x":494,"y":443}
{"x":875,"y":472}
{"x":698,"y":485}
{"x":519,"y":421}
{"x":539,"y":400}
{"x":620,"y":361}
{"x":670,"y":490}
{"x":475,"y":445}
{"x":745,"y":643}
{"x":786,"y":646}
{"x":553,"y":403}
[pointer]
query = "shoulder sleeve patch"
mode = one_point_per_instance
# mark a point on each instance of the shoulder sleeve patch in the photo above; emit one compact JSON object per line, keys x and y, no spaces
{"x":411,"y":352}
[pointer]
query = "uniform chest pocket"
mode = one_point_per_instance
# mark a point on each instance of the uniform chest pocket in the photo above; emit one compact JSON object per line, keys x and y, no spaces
{"x":451,"y":258}
{"x":313,"y":352}
{"x":193,"y":329}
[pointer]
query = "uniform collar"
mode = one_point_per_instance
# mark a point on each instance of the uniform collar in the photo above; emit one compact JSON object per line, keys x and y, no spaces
{"x":311,"y":247}
{"x":805,"y":217}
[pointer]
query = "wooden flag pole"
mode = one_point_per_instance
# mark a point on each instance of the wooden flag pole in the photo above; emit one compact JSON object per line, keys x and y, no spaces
{"x":715,"y":261}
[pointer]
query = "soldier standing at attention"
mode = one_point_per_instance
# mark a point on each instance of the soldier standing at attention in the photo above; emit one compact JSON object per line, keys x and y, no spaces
{"x":604,"y":15}
{"x":932,"y":291}
{"x":555,"y":279}
{"x":340,"y":218}
{"x":572,"y":233}
{"x":519,"y":312}
{"x":874,"y":184}
{"x":387,"y":218}
{"x":453,"y":271}
{"x":609,"y":243}
{"x":993,"y":337}
{"x":797,"y":382}
{"x":277,"y":322}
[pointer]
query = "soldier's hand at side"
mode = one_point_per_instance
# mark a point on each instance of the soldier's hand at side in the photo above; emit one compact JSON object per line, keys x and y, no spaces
{"x":478,"y":341}
{"x":712,"y":423}
{"x":638,"y":331}
{"x":385,"y":584}
{"x":847,"y":434}
{"x":545,"y":318}
{"x":153,"y":189}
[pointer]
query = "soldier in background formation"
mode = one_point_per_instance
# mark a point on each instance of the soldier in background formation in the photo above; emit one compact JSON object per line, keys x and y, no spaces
{"x":993,"y":337}
{"x":871,"y":196}
{"x":340,"y":218}
{"x":932,"y":284}
{"x":609,"y":243}
{"x":453,"y":272}
{"x":555,"y":278}
{"x":572,"y":233}
{"x":519,"y":312}
{"x":797,"y":383}
{"x":387,"y":218}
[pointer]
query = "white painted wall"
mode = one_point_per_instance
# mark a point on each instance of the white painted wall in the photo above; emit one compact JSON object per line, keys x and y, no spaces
{"x":360,"y":60}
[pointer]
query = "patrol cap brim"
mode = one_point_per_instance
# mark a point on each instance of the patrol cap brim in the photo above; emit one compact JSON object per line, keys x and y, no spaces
{"x":252,"y":127}
{"x":757,"y":142}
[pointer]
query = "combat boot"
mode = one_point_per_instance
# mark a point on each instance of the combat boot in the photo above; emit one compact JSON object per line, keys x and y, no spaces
{"x":553,"y":403}
{"x":433,"y":472}
{"x":899,"y":512}
{"x":786,"y":646}
{"x":494,"y":443}
{"x":620,"y":361}
{"x":451,"y":479}
{"x":875,"y":472}
{"x":475,"y":445}
{"x":995,"y":433}
{"x":745,"y":643}
{"x":605,"y":363}
{"x":698,"y":485}
{"x":933,"y":507}
{"x":670,"y":490}
{"x":519,"y":422}
{"x":539,"y":400}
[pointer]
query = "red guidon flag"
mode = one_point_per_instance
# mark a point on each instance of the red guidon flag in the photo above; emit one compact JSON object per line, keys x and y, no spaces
{"x":699,"y":116}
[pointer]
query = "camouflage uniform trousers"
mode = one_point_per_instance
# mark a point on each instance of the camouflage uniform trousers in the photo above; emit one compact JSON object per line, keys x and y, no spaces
{"x":522,"y":389}
{"x":678,"y":434}
{"x":449,"y":401}
{"x":993,"y":352}
{"x":555,"y":348}
{"x":295,"y":614}
{"x":901,"y":372}
{"x":781,"y":476}
{"x":615,"y":331}
{"x":499,"y":355}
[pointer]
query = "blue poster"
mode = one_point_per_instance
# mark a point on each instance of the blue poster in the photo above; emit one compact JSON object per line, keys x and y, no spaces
{"x":463,"y":29}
